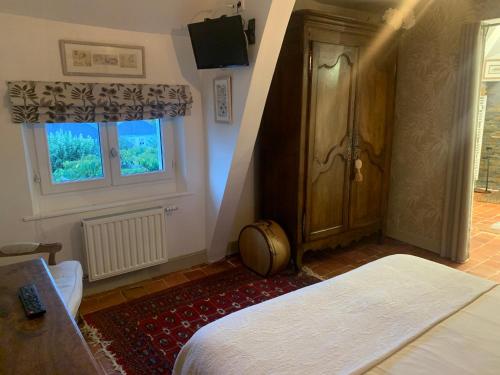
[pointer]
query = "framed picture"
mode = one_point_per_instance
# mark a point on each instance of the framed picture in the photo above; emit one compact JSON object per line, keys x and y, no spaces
{"x":101,"y":60}
{"x":491,"y":70}
{"x":222,"y":99}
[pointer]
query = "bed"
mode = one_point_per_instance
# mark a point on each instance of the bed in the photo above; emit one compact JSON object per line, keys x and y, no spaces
{"x":398,"y":315}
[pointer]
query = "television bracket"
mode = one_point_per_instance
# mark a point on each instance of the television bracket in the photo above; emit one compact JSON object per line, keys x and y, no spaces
{"x":250,"y":31}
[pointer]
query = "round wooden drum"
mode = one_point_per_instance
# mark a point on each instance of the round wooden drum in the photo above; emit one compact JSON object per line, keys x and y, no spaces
{"x":264,"y":247}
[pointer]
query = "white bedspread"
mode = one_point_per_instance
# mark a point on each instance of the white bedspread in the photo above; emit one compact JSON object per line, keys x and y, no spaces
{"x":468,"y":342}
{"x":344,"y":325}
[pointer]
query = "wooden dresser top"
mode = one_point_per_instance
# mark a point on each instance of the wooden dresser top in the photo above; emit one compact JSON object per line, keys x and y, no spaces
{"x":49,"y":345}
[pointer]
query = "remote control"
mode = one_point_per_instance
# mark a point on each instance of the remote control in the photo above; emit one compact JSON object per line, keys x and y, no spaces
{"x":33,"y":306}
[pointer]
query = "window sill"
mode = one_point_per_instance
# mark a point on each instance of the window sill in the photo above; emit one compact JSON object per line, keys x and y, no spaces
{"x":97,"y":207}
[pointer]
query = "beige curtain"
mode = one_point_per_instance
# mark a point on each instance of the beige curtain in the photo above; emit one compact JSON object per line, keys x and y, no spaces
{"x":457,"y":210}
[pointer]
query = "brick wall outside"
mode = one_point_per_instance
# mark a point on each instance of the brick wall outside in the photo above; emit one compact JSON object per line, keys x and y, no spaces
{"x":491,"y":127}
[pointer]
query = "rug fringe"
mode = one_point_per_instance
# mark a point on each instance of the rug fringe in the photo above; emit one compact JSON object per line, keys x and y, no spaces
{"x":310,"y":272}
{"x":94,"y":337}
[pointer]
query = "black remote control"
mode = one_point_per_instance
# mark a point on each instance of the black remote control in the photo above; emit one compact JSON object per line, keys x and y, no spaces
{"x":33,"y":306}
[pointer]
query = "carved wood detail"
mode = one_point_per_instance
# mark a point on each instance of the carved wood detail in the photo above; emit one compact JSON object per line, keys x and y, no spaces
{"x":322,"y":166}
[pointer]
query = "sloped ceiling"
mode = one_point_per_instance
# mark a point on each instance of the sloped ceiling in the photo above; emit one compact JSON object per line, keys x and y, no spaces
{"x":154,"y":16}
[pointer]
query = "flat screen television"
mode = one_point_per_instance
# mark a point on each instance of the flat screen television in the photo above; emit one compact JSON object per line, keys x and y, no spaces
{"x":219,"y":42}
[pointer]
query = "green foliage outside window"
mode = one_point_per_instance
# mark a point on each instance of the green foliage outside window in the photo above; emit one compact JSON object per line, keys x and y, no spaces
{"x":78,"y":157}
{"x":74,"y":157}
{"x":139,"y":154}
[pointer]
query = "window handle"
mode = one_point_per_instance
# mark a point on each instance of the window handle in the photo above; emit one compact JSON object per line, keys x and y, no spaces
{"x":113,"y":152}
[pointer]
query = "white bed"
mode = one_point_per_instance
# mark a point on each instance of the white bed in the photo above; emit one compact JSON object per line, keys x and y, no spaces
{"x":397,"y":315}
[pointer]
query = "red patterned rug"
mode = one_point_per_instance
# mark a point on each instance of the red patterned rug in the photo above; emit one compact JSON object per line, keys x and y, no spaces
{"x":144,"y":336}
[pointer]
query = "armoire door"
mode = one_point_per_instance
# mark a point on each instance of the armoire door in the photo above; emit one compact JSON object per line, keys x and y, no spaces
{"x":371,"y":135}
{"x":332,"y":83}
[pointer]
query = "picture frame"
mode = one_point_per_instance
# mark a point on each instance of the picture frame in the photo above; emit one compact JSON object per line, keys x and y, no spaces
{"x":491,"y":70}
{"x":223,"y":99}
{"x":102,"y":59}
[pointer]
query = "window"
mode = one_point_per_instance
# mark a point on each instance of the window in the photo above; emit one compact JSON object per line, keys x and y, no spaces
{"x":78,"y":156}
{"x":74,"y":152}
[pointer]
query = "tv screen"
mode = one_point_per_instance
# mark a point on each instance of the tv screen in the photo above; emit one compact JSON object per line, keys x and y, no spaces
{"x":219,"y":42}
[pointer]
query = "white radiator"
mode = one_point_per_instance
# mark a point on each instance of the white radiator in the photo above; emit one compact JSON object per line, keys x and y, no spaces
{"x":117,"y":244}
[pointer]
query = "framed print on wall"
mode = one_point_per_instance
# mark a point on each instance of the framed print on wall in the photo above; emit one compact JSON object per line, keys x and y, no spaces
{"x":491,"y":70}
{"x":222,"y":99}
{"x":101,"y":59}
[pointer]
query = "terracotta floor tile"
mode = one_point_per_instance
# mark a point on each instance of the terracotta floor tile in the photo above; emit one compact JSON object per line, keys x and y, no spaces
{"x":89,"y":306}
{"x":153,"y":286}
{"x":103,"y":301}
{"x":493,"y":263}
{"x":483,"y":237}
{"x":214,"y":268}
{"x":495,"y":278}
{"x":483,"y":270}
{"x":355,"y":256}
{"x":339,"y":271}
{"x":194,"y":275}
{"x":471,"y":263}
{"x":134,"y":292}
{"x":112,"y":298}
{"x":235,"y":261}
{"x":174,"y":279}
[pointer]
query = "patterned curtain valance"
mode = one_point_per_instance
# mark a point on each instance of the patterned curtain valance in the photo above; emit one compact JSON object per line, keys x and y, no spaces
{"x":39,"y":102}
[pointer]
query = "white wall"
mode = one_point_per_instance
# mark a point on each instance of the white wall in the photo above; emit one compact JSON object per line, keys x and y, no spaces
{"x":30,"y":52}
{"x":218,"y":156}
{"x":221,"y":138}
{"x":230,"y":147}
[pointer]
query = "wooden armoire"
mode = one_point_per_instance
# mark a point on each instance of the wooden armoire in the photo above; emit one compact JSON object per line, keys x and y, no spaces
{"x":331,"y":102}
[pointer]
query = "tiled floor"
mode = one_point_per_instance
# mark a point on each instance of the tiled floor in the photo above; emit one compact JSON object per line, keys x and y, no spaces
{"x":484,"y":262}
{"x":114,"y":297}
{"x":485,"y":242}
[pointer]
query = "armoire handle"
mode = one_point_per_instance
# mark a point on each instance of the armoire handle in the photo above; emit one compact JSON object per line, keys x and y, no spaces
{"x":358,"y":164}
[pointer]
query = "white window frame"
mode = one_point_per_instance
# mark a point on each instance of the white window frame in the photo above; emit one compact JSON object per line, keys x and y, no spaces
{"x":45,"y":169}
{"x":108,"y":135}
{"x":167,"y":145}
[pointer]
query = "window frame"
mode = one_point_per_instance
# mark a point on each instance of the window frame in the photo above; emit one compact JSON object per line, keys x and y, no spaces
{"x":108,"y":137}
{"x":45,"y":168}
{"x":167,"y":144}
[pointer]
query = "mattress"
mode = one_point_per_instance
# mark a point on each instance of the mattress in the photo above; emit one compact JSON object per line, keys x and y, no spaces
{"x":351,"y":324}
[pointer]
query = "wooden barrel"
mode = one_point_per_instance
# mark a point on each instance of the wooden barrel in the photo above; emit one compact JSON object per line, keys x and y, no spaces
{"x":264,"y":247}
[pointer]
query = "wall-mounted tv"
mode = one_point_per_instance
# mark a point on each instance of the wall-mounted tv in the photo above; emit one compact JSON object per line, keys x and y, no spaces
{"x":219,"y":42}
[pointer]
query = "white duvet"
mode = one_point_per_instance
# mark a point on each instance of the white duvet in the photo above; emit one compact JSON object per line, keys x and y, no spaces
{"x":345,"y":325}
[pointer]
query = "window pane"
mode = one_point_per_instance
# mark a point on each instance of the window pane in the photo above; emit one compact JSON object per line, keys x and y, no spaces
{"x":74,"y":152}
{"x":140,"y":147}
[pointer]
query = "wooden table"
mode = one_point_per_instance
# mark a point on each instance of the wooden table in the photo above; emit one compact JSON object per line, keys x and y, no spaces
{"x":52,"y":344}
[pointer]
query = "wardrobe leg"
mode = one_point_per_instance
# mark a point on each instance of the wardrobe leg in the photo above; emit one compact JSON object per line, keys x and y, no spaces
{"x":298,"y":260}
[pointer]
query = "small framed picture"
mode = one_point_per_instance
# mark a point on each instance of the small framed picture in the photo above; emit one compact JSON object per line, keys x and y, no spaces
{"x":101,"y":60}
{"x":491,"y":70}
{"x":222,"y":99}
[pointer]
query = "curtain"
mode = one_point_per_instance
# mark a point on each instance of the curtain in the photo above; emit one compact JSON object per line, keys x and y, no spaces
{"x":41,"y":102}
{"x":458,"y":204}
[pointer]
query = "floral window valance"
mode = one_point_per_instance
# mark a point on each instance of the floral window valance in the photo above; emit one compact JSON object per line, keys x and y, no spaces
{"x":39,"y":102}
